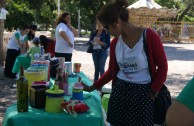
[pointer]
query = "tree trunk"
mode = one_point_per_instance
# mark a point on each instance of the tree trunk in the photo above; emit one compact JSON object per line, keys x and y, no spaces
{"x":180,"y":18}
{"x":1,"y":36}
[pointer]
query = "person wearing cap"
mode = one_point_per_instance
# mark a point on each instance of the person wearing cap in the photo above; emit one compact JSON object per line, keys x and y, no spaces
{"x":35,"y":49}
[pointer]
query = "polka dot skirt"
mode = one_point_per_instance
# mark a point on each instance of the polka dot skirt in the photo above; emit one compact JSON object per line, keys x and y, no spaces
{"x":130,"y":105}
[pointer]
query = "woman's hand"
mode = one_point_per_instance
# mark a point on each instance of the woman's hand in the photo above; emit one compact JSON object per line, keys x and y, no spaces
{"x":70,"y":44}
{"x":96,"y":39}
{"x":22,"y":51}
{"x":152,"y":94}
{"x":88,"y":88}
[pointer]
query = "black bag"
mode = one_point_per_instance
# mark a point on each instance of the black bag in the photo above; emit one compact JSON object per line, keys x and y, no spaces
{"x":161,"y":105}
{"x":163,"y":99}
{"x":90,"y":49}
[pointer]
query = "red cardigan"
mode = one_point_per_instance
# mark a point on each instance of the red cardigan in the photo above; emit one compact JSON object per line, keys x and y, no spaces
{"x":157,"y":60}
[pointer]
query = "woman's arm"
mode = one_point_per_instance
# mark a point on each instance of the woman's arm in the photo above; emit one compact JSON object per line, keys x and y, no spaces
{"x":20,"y":45}
{"x":25,"y":45}
{"x":179,"y":115}
{"x":17,"y":36}
{"x":96,"y":39}
{"x":65,"y":37}
{"x":75,"y":31}
{"x":159,"y":60}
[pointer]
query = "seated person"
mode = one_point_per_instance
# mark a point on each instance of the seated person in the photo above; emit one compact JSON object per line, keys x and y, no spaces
{"x":48,"y":44}
{"x":181,"y":112}
{"x":35,"y":49}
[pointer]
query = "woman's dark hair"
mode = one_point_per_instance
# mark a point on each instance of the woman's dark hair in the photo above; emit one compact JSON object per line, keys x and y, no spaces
{"x":44,"y":41}
{"x":109,"y":13}
{"x":25,"y":26}
{"x":61,"y":17}
{"x":33,"y":27}
{"x":30,"y":34}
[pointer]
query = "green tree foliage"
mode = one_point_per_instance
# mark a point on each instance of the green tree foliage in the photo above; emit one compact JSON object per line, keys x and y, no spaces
{"x":187,"y":11}
{"x":169,"y":3}
{"x":19,"y":14}
{"x":30,"y":11}
{"x":44,"y":11}
{"x":88,"y":9}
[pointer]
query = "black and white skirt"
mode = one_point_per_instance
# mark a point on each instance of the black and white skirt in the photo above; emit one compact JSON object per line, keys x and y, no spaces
{"x":130,"y":105}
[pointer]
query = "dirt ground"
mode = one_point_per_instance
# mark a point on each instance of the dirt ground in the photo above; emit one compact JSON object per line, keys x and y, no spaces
{"x":180,"y":71}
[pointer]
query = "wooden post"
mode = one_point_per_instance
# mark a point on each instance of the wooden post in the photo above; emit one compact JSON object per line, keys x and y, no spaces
{"x":1,"y":36}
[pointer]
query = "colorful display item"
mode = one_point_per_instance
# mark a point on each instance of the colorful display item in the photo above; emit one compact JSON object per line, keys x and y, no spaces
{"x":78,"y":91}
{"x":54,"y":98}
{"x":74,"y":106}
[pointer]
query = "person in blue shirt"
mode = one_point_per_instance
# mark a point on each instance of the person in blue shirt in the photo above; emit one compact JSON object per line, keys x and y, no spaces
{"x":100,"y":40}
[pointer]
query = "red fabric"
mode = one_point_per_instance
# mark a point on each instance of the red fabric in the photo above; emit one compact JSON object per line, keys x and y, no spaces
{"x":51,"y":47}
{"x":157,"y":60}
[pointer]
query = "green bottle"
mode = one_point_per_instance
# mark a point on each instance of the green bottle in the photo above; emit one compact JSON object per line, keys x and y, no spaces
{"x":22,"y":92}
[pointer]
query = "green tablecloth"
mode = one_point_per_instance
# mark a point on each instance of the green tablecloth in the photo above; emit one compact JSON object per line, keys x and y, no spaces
{"x":38,"y":117}
{"x":21,"y":60}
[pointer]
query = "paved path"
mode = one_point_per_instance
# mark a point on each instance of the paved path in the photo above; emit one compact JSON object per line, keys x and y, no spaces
{"x":180,"y":65}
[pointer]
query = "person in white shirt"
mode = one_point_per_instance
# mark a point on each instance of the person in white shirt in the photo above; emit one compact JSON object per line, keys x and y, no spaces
{"x":16,"y":45}
{"x":65,"y":34}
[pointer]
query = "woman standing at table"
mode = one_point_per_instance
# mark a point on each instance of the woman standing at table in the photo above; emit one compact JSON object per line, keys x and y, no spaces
{"x":100,"y":41}
{"x":138,"y":73}
{"x":65,"y":34}
{"x":15,"y":47}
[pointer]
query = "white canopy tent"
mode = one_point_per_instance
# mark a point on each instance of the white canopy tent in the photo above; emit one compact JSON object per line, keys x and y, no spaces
{"x":145,"y":3}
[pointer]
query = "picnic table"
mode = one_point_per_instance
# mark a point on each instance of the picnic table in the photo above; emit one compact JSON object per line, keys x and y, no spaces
{"x":39,"y":117}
